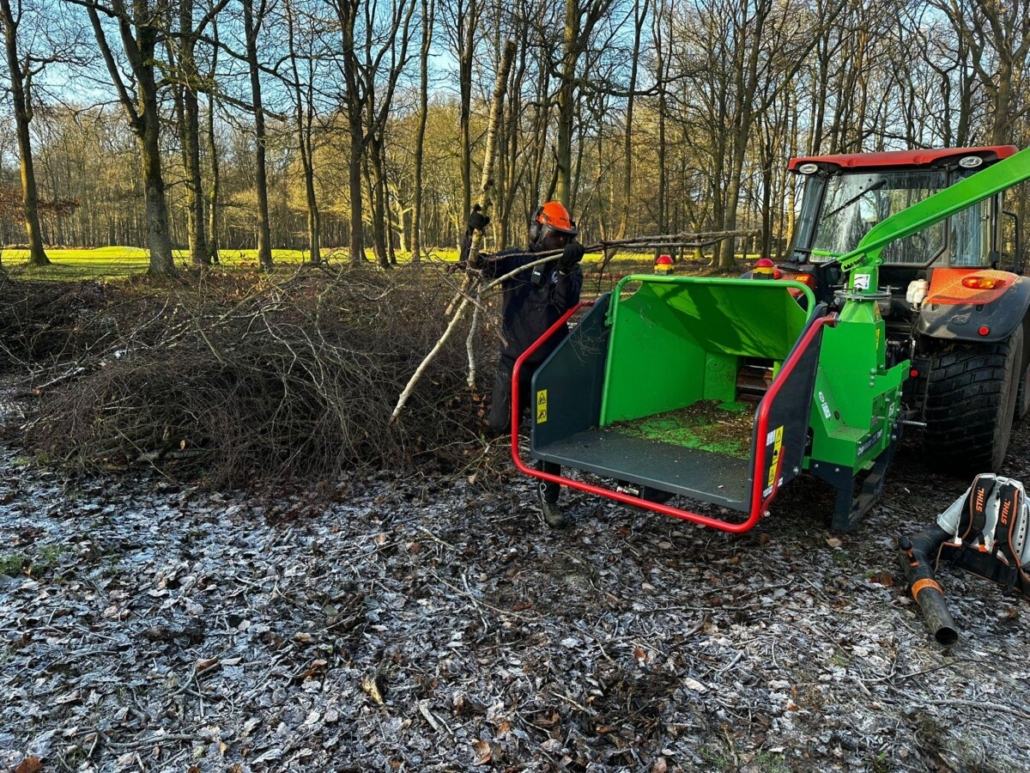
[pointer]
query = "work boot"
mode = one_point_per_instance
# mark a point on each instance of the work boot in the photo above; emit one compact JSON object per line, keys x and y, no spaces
{"x":553,"y":514}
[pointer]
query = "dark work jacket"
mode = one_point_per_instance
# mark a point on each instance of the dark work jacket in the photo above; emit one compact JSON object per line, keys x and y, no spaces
{"x":529,"y":309}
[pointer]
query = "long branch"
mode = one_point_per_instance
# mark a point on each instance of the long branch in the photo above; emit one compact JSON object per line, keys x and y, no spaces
{"x":541,"y":258}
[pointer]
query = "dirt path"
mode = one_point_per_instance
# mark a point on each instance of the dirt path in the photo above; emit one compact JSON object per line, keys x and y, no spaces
{"x":422,"y":625}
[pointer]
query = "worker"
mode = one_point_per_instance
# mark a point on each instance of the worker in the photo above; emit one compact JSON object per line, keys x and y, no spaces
{"x":533,"y":300}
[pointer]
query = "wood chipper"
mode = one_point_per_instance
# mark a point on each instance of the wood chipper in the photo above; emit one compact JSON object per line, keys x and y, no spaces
{"x":723,"y":390}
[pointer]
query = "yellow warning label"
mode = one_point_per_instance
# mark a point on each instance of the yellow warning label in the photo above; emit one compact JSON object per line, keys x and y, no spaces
{"x":774,"y":459}
{"x":541,"y":406}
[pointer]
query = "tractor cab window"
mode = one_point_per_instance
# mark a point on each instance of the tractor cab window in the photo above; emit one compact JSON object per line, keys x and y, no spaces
{"x":856,"y":201}
{"x":970,"y":237}
{"x":971,"y":234}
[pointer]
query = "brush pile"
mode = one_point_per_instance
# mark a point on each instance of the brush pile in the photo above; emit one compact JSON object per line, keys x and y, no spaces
{"x":242,"y":379}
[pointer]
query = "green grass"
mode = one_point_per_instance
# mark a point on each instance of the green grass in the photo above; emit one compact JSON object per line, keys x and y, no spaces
{"x":121,"y":262}
{"x":12,"y":564}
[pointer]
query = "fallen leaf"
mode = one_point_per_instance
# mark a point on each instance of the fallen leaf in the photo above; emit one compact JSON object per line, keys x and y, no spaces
{"x":483,"y":753}
{"x":249,"y":726}
{"x":659,"y":765}
{"x":693,"y":684}
{"x":370,"y":684}
{"x":206,"y":663}
{"x":833,"y":542}
{"x":30,"y":764}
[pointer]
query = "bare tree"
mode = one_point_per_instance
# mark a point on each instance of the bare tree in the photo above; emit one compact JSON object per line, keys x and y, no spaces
{"x":140,"y":29}
{"x":251,"y":28}
{"x":187,"y":84}
{"x":581,"y":19}
{"x":20,"y":70}
{"x":997,"y":34}
{"x":373,"y":57}
{"x":428,"y":15}
{"x":303,"y":89}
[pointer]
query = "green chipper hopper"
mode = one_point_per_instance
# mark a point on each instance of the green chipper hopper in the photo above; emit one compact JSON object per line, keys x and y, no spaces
{"x":723,"y":390}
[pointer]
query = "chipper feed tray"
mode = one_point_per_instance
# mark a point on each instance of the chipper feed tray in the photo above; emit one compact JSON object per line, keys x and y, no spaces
{"x":645,"y":390}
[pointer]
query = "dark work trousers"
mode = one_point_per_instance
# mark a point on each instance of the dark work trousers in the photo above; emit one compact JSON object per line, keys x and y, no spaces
{"x":500,"y":417}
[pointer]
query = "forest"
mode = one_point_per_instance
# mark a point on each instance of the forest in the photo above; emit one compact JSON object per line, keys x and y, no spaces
{"x":340,"y":126}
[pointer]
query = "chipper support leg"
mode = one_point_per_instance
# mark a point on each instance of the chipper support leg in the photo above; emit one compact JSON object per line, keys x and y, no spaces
{"x":851,"y":507}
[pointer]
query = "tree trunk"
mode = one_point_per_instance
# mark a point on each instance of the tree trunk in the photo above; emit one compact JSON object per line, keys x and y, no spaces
{"x":428,"y":9}
{"x":188,"y":113}
{"x":149,"y":138}
{"x":264,"y":236}
{"x":357,"y":235}
{"x":22,"y":118}
{"x":212,"y":194}
{"x":304,"y":119}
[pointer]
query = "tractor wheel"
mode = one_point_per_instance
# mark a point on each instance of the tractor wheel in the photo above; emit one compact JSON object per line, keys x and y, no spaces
{"x":970,"y":405}
{"x":1023,"y":393}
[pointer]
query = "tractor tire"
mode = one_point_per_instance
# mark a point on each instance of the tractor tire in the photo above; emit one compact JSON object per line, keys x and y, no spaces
{"x":970,"y":405}
{"x":1023,"y":393}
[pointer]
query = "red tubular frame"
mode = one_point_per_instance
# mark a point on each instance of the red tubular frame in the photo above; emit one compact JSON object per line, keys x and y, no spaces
{"x":758,"y":504}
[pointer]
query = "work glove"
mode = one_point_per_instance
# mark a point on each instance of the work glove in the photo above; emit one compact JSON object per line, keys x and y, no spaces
{"x":571,"y":255}
{"x":476,"y":220}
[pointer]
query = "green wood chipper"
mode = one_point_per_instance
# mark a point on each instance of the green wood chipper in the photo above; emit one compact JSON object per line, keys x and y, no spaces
{"x":722,"y":390}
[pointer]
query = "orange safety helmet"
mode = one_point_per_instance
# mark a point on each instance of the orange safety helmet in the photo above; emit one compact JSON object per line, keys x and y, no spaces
{"x":554,"y":216}
{"x":663,"y":264}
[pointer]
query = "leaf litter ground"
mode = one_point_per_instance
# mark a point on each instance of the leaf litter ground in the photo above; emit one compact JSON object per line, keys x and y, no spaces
{"x":424,"y":624}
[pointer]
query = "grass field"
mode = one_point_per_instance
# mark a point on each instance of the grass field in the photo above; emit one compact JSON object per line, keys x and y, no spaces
{"x":121,"y":262}
{"x":116,"y":262}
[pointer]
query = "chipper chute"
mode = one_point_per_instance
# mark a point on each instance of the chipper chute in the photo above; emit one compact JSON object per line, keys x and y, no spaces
{"x":648,"y":389}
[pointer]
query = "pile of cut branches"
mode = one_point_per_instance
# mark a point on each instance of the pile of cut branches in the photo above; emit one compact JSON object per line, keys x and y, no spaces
{"x":42,"y":323}
{"x":258,"y":380}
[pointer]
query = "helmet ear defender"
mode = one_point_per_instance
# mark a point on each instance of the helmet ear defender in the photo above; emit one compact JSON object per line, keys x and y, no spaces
{"x":535,"y":226}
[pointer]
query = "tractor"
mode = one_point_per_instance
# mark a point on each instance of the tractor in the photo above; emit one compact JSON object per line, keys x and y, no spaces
{"x":952,"y":299}
{"x":894,"y":309}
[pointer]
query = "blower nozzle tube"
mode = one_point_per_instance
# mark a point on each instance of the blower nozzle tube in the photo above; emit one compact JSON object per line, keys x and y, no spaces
{"x":925,"y":589}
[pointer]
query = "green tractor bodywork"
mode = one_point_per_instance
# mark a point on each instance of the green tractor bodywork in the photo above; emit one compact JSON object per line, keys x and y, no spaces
{"x":651,"y":387}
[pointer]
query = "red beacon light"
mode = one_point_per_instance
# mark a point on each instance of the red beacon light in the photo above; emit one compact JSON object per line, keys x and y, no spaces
{"x":663,"y":265}
{"x":765,"y":269}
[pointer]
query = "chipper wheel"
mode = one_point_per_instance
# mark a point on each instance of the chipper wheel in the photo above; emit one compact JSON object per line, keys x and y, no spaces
{"x":970,"y":405}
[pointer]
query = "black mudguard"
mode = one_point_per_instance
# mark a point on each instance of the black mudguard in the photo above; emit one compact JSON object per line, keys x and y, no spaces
{"x":962,"y":322}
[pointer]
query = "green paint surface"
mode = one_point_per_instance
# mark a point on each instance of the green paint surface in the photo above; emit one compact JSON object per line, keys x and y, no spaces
{"x":678,"y":340}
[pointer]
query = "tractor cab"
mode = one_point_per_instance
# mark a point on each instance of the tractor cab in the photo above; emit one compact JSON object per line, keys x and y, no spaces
{"x":845,"y":196}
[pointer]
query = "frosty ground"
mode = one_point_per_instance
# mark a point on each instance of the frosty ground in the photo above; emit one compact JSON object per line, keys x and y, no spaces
{"x":427,"y":623}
